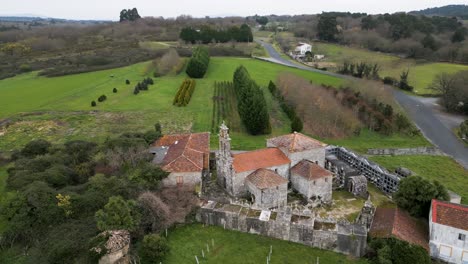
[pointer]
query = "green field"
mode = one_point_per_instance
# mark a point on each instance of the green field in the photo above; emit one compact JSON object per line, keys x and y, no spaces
{"x":66,"y":112}
{"x":443,"y":169}
{"x":236,"y":247}
{"x":421,"y":74}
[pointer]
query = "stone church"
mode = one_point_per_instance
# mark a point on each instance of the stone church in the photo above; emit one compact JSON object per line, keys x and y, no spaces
{"x":264,"y":174}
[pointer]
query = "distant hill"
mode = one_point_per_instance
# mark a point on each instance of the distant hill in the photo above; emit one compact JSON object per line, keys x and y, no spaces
{"x":450,"y":11}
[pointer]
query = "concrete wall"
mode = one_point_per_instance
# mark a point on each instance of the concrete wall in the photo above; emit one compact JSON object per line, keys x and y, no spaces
{"x":441,"y":237}
{"x":345,"y":238}
{"x":238,"y":182}
{"x":407,"y":151}
{"x":269,"y":198}
{"x":189,"y":178}
{"x":322,"y":187}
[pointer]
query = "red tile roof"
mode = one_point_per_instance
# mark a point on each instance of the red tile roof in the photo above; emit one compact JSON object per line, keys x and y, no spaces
{"x":450,"y":214}
{"x":395,"y":222}
{"x":309,"y":170}
{"x":263,"y":158}
{"x":296,"y":142}
{"x":186,"y":152}
{"x":264,"y":179}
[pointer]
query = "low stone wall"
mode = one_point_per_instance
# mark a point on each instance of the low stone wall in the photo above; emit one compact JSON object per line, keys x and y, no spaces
{"x":432,"y":151}
{"x":346,"y":238}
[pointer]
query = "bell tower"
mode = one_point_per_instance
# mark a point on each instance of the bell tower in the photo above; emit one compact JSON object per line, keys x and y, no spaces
{"x":224,"y":159}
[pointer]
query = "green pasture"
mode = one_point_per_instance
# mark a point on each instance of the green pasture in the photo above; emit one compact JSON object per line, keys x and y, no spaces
{"x":235,"y":247}
{"x":421,"y":74}
{"x":440,"y":168}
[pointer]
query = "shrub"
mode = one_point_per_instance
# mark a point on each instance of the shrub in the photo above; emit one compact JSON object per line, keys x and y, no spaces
{"x":127,"y":81}
{"x":390,"y":81}
{"x":153,"y":249}
{"x":36,"y":147}
{"x":136,"y":90}
{"x":114,"y":90}
{"x":25,"y":67}
{"x":93,"y":103}
{"x":102,"y":98}
{"x":184,"y":94}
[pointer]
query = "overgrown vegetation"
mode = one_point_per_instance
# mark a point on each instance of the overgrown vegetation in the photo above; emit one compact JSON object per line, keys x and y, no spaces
{"x":453,"y":89}
{"x":361,"y":70}
{"x":198,"y":63}
{"x":251,"y":103}
{"x":296,"y":122}
{"x":184,"y":94}
{"x":394,"y":251}
{"x":225,"y":107}
{"x":169,"y":64}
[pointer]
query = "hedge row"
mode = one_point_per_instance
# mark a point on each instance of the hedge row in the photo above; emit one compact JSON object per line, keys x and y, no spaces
{"x":251,"y":103}
{"x":184,"y":94}
{"x":198,"y":63}
{"x":296,"y":122}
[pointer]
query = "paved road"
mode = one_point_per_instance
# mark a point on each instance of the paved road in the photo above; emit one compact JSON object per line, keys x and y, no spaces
{"x":432,"y":123}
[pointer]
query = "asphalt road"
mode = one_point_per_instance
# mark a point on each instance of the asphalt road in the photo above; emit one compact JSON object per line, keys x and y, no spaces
{"x":423,"y":115}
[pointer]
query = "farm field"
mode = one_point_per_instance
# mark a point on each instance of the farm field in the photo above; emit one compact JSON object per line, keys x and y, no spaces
{"x":236,"y":247}
{"x":443,"y":169}
{"x":65,"y":108}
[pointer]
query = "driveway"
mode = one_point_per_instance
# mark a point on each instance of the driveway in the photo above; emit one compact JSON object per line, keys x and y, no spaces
{"x":435,"y":125}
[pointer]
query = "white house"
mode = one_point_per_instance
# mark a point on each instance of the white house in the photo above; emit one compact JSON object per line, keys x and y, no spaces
{"x":448,"y":229}
{"x":301,"y":49}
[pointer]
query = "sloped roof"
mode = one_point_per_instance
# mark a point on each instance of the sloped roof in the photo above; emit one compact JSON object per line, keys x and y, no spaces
{"x":296,"y":142}
{"x":262,"y":158}
{"x":264,"y":179}
{"x":186,"y":152}
{"x":450,"y":214}
{"x":310,"y":170}
{"x":395,"y":222}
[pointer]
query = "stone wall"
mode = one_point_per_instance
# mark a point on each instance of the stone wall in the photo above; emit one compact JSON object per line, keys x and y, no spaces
{"x":189,"y":178}
{"x":432,"y":151}
{"x":322,"y":187}
{"x":343,"y":237}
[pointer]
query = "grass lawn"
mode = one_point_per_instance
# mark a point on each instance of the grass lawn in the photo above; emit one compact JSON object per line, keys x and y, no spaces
{"x":67,"y":112}
{"x":443,"y":169}
{"x":368,"y":139}
{"x":236,"y":247}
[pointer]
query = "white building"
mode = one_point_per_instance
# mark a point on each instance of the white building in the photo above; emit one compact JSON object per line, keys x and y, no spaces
{"x":448,"y":229}
{"x":301,"y":49}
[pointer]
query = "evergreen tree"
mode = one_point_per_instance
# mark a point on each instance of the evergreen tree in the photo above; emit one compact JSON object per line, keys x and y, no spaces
{"x":327,"y":27}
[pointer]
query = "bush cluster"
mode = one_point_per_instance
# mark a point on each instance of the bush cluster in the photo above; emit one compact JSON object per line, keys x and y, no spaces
{"x":143,"y":86}
{"x":360,"y":70}
{"x":102,"y":98}
{"x":198,"y":63}
{"x":296,"y":122}
{"x":184,"y":94}
{"x":251,"y":103}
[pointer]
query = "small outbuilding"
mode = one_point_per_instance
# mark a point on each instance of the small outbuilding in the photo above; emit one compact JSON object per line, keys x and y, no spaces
{"x":268,"y":189}
{"x":312,"y":181}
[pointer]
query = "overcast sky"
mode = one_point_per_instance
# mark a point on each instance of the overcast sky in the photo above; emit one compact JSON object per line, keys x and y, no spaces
{"x":110,"y":9}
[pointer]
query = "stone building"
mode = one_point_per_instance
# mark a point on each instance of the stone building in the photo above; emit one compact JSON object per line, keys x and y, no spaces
{"x":297,"y":147}
{"x":268,"y":189}
{"x":448,"y":229}
{"x":185,"y":156}
{"x":312,"y":181}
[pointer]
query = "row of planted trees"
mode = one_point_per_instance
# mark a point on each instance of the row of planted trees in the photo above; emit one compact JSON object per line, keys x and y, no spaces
{"x":198,"y":63}
{"x":184,"y":94}
{"x":251,"y":103}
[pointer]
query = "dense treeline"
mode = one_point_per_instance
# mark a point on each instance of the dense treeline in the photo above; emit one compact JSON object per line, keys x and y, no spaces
{"x":184,"y":94}
{"x":251,"y":103}
{"x":143,"y":86}
{"x":449,"y":11}
{"x":198,"y":63}
{"x":206,"y":34}
{"x":60,"y":197}
{"x":296,"y":122}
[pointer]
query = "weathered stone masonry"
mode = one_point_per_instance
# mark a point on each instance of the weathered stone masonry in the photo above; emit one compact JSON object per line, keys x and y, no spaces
{"x":340,"y":237}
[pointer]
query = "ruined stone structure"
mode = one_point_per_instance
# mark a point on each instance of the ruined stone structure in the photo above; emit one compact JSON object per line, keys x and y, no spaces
{"x":357,"y":185}
{"x":379,"y":176}
{"x":312,"y":181}
{"x":116,"y":246}
{"x":297,"y":227}
{"x":269,"y":190}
